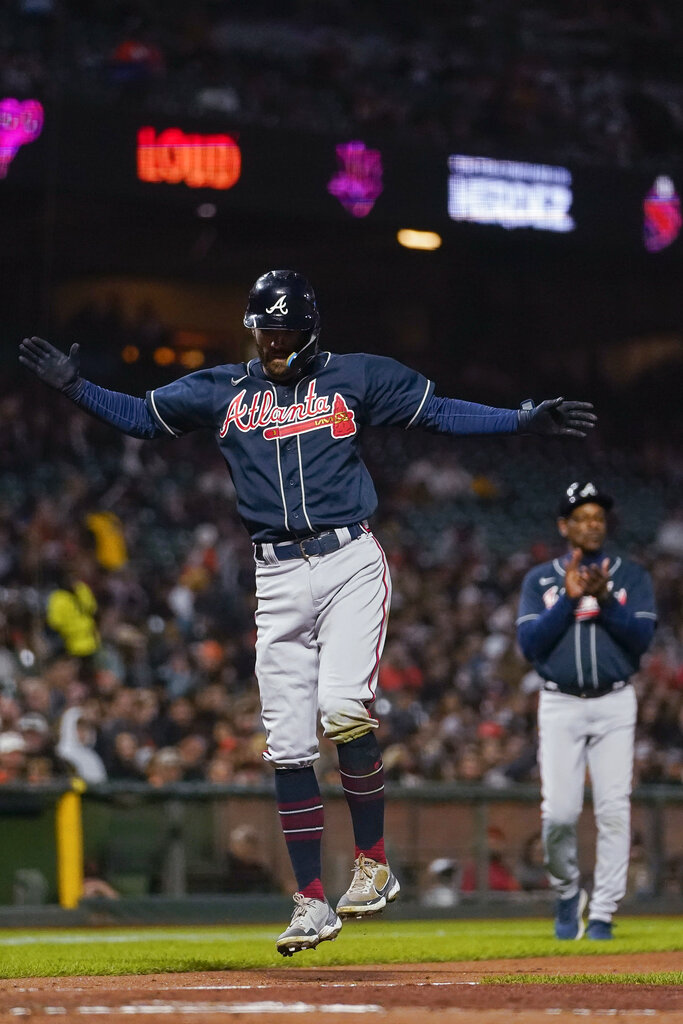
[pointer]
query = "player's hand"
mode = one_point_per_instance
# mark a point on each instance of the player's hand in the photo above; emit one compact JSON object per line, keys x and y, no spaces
{"x":556,"y":417}
{"x":47,"y":362}
{"x":596,"y":578}
{"x":574,"y":580}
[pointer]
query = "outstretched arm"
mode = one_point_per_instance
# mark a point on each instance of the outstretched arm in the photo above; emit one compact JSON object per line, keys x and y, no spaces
{"x":555,"y":417}
{"x":128,"y":414}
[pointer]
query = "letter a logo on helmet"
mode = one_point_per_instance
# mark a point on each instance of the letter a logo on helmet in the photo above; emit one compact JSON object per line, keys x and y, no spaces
{"x":280,"y":305}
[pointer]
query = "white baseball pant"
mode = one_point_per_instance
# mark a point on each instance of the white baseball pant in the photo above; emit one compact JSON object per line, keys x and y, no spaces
{"x":321,"y":625}
{"x":596,"y":733}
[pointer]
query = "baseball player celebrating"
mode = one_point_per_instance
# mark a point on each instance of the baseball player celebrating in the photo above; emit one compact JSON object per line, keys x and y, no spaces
{"x":289,"y":425}
{"x":585,"y":621}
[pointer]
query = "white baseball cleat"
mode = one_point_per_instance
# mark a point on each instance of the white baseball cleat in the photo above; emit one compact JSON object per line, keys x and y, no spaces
{"x":313,"y":921}
{"x":373,"y":886}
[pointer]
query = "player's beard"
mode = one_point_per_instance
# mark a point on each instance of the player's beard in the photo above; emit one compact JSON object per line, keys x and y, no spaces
{"x":278,"y":369}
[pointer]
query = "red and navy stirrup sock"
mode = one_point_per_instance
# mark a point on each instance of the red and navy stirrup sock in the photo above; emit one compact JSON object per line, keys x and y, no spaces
{"x":301,"y":816}
{"x":362,"y":776}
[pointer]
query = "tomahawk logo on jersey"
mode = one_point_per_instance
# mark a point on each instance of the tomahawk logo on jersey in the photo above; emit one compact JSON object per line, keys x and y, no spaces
{"x":293,"y":448}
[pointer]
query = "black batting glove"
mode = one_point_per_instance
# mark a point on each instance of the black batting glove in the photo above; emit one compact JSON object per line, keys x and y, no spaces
{"x":50,"y":365}
{"x":556,"y":417}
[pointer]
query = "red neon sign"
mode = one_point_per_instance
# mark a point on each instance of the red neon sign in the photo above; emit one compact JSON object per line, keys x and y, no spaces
{"x":200,"y":161}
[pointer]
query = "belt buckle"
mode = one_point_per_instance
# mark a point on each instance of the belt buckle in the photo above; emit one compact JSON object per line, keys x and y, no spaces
{"x":308,"y":541}
{"x":303,"y":550}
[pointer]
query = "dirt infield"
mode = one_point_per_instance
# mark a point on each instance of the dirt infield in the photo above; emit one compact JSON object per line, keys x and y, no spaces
{"x":391,"y":994}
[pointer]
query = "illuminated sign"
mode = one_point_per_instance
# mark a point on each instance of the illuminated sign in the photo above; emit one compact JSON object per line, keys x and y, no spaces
{"x":20,"y":122}
{"x":357,"y":183}
{"x":511,"y":194}
{"x":661,"y":215}
{"x":200,"y":161}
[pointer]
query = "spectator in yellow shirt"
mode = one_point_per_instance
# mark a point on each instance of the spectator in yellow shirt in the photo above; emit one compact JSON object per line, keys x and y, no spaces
{"x":71,"y":612}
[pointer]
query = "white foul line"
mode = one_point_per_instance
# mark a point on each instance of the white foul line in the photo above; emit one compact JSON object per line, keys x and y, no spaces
{"x":205,"y":1009}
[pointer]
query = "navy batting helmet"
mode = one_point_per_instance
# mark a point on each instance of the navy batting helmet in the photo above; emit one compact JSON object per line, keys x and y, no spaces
{"x":284,"y":299}
{"x":581,"y":493}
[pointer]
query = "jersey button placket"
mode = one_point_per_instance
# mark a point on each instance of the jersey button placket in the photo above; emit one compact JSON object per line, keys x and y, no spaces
{"x":290,"y":464}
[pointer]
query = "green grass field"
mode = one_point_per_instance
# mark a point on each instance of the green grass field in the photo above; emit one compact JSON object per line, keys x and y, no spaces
{"x":111,"y":951}
{"x":640,"y":978}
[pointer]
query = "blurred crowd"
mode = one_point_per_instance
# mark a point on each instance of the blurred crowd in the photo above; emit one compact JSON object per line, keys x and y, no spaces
{"x":575,"y":80}
{"x":127,"y":610}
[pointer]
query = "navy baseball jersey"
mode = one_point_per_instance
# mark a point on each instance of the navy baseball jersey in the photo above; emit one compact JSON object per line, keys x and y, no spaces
{"x":293,"y":449}
{"x":582,"y":645}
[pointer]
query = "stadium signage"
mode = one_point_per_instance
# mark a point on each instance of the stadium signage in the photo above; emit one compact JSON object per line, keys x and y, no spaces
{"x":20,"y":122}
{"x":357,"y":183}
{"x":661,"y":214}
{"x":200,"y":161}
{"x":508,"y":193}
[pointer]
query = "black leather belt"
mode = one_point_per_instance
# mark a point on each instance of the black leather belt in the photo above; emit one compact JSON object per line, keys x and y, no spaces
{"x":310,"y":547}
{"x":589,"y":692}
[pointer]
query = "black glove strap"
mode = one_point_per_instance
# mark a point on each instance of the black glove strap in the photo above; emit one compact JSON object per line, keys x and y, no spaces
{"x":74,"y":389}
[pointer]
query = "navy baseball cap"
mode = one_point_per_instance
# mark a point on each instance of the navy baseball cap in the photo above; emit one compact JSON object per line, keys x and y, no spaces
{"x":580,"y":493}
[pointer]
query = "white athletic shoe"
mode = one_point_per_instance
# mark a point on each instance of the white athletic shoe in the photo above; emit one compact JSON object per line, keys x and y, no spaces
{"x":373,"y":886}
{"x":313,"y":921}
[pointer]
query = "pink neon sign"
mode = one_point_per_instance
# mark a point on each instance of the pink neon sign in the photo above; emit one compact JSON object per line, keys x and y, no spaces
{"x":20,"y":123}
{"x":662,"y":215}
{"x":358,"y":181}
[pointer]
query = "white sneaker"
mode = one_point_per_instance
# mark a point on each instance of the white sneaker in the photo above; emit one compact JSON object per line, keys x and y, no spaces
{"x":373,"y":886}
{"x":313,"y":921}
